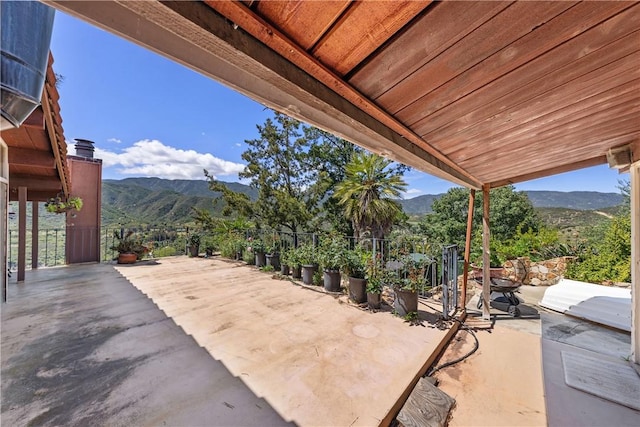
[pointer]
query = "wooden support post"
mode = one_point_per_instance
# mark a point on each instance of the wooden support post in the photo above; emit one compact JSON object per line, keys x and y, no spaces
{"x":22,"y":232}
{"x":635,"y":261}
{"x":486,"y":254}
{"x":34,"y":235}
{"x":467,"y":249}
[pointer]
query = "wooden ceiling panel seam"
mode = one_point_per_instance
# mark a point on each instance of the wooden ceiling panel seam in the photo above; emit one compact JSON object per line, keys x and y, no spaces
{"x":551,"y":109}
{"x":621,"y":132}
{"x":394,"y":62}
{"x":494,"y":36}
{"x":503,"y":167}
{"x":538,"y":115}
{"x":516,"y":168}
{"x":303,"y":21}
{"x":35,"y":139}
{"x":32,"y":158}
{"x":593,"y":61}
{"x":271,"y":37}
{"x":581,"y":132}
{"x":361,"y":30}
{"x":528,"y":48}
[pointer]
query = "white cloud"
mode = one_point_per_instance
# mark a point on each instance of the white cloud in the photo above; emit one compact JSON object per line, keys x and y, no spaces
{"x":413,"y":192}
{"x":238,"y":144}
{"x":116,"y":140}
{"x":153,"y":158}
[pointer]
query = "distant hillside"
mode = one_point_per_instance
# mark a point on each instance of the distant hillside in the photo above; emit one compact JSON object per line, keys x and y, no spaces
{"x":419,"y":205}
{"x":578,"y":200}
{"x":155,"y":200}
{"x":187,"y":187}
{"x":581,"y":200}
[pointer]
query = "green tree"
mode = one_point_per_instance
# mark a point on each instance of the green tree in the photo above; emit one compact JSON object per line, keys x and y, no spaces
{"x":330,"y":156}
{"x":278,"y":166}
{"x":625,"y":189}
{"x":609,"y":259}
{"x":511,"y":212}
{"x":368,"y":194}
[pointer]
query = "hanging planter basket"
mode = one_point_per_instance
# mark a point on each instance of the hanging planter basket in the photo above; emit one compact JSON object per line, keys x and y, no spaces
{"x":60,"y":204}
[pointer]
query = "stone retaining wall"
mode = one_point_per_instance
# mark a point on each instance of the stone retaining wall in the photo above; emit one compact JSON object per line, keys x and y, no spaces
{"x":542,"y":273}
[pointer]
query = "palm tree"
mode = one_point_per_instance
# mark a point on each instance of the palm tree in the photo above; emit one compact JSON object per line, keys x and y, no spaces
{"x":367,"y":194}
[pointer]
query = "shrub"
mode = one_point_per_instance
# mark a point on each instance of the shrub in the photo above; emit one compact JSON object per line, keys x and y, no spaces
{"x":164,"y":251}
{"x":610,"y":260}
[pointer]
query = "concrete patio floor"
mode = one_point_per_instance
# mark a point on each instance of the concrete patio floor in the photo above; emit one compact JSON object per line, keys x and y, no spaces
{"x":82,"y":347}
{"x":316,"y":359}
{"x":215,"y":343}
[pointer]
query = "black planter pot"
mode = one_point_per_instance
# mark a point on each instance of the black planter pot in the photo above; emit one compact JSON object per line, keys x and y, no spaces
{"x":284,"y":269}
{"x":261,"y":259}
{"x":332,"y":280}
{"x":307,"y":273}
{"x":194,"y":251}
{"x":406,"y":302}
{"x":273,"y":260}
{"x":357,"y":290}
{"x":296,"y":272}
{"x":239,"y":256}
{"x":373,"y":300}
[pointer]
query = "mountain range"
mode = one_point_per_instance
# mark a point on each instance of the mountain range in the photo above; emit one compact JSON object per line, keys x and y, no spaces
{"x":154,"y":200}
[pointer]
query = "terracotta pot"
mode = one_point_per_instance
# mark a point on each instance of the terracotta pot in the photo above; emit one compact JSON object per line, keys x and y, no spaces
{"x":127,"y":258}
{"x":493,"y":272}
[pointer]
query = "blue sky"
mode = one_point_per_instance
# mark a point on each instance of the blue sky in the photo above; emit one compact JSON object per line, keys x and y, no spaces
{"x":149,"y":116}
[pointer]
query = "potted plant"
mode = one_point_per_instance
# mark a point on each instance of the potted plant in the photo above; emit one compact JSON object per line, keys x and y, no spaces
{"x":273,"y":255}
{"x":406,"y":281}
{"x":193,"y":241}
{"x":496,"y":261}
{"x":129,"y":248}
{"x":332,"y":256}
{"x":374,"y":278}
{"x":308,"y":259}
{"x":293,"y":261}
{"x":59,"y":204}
{"x":238,"y":247}
{"x":356,"y":269}
{"x":286,"y":258}
{"x":257,"y":246}
{"x":374,"y":292}
{"x":208,"y":249}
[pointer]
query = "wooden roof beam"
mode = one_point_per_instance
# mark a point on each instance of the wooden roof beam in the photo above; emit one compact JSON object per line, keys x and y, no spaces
{"x":31,"y":158}
{"x":196,"y":36}
{"x":35,"y":119}
{"x":254,"y":25}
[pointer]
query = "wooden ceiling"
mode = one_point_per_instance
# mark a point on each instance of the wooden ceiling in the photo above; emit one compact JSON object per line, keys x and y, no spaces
{"x":37,"y":149}
{"x":474,"y":92}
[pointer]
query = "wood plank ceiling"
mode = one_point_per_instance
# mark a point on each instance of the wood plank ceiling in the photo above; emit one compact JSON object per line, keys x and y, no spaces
{"x":475,"y":92}
{"x":37,"y":149}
